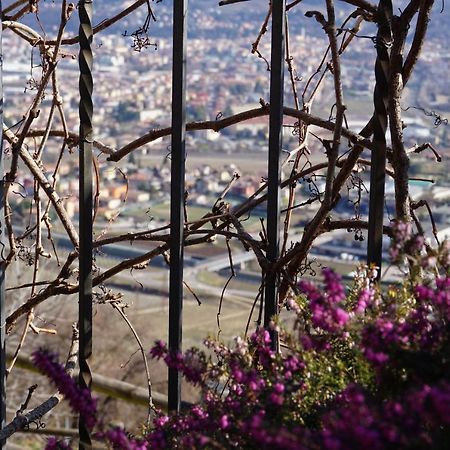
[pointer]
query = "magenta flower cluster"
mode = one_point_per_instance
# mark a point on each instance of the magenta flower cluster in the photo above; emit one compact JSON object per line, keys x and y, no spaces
{"x":80,"y":400}
{"x":191,"y":364}
{"x":326,"y":307}
{"x":56,"y":444}
{"x":397,"y":341}
{"x":260,"y":385}
{"x":118,"y":438}
{"x":248,"y":416}
{"x":358,"y":420}
{"x":424,"y":328}
{"x":362,"y":368}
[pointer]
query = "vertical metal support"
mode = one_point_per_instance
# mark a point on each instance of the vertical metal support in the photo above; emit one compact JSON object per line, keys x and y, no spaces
{"x":86,"y":205}
{"x":378,"y":157}
{"x":2,"y":262}
{"x":177,"y":195}
{"x":274,"y":171}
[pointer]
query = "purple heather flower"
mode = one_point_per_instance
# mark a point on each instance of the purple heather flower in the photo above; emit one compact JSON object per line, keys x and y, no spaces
{"x":402,"y":231}
{"x":293,"y":363}
{"x":326,"y":309}
{"x":157,"y":440}
{"x":417,"y":243}
{"x":241,"y":346}
{"x":193,"y":366}
{"x":55,"y":444}
{"x":119,"y":439}
{"x":356,"y":422}
{"x":237,"y":374}
{"x":377,"y":341}
{"x":365,"y":299}
{"x":443,"y":282}
{"x":407,"y":243}
{"x":161,"y":420}
{"x":424,"y":293}
{"x":237,"y":389}
{"x":309,"y":289}
{"x":203,"y":440}
{"x":292,"y":305}
{"x":174,"y":361}
{"x":256,"y":420}
{"x":428,"y":262}
{"x":80,"y":400}
{"x":199,"y":412}
{"x":260,"y":337}
{"x":333,"y":285}
{"x":306,"y":342}
{"x":159,"y":350}
{"x":341,"y":317}
{"x":276,"y":399}
{"x":224,"y":422}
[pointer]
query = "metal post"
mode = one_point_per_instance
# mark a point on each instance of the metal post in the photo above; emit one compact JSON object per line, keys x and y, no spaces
{"x":378,"y":157}
{"x":86,"y":205}
{"x":177,"y":195}
{"x":2,"y":262}
{"x":274,"y":172}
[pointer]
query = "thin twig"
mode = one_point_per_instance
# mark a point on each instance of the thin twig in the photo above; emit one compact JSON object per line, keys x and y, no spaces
{"x":119,"y":307}
{"x":232,"y":275}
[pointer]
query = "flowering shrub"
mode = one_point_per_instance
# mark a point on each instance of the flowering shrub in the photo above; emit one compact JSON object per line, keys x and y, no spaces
{"x":362,"y":368}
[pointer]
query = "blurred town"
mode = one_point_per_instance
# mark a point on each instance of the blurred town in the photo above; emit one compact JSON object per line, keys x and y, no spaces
{"x":132,"y":97}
